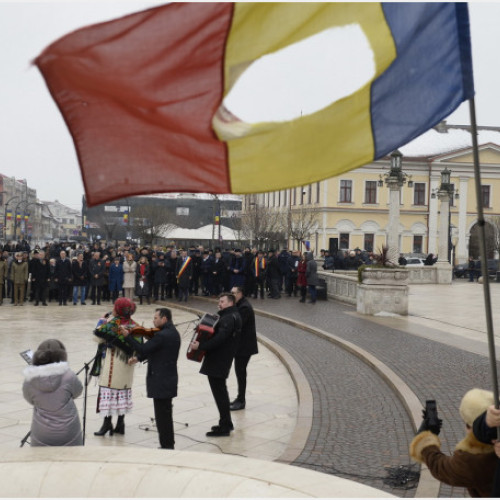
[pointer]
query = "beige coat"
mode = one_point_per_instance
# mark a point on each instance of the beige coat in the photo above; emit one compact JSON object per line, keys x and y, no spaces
{"x":129,"y":268}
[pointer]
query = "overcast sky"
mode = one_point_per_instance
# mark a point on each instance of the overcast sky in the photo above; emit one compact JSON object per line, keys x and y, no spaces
{"x":35,"y":144}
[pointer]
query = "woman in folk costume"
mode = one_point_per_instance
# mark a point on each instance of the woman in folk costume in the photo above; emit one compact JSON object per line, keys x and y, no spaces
{"x":115,"y":374}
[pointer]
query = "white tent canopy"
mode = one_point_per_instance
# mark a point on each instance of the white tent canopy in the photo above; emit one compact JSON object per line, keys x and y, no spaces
{"x":202,"y":233}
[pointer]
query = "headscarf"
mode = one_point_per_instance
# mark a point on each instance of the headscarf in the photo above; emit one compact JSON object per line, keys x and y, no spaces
{"x":124,"y":307}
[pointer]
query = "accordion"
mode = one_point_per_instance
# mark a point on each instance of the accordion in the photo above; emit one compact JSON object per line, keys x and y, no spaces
{"x":203,"y":331}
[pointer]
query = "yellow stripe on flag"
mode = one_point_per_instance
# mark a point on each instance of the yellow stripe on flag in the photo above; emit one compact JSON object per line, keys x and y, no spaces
{"x":334,"y":139}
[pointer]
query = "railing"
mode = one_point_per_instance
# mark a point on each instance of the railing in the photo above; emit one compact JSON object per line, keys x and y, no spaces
{"x":342,"y":285}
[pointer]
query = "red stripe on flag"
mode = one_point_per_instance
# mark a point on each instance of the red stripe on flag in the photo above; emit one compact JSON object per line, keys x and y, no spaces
{"x":138,"y":95}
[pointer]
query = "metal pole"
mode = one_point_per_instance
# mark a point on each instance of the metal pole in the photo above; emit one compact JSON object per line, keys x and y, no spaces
{"x":484,"y":258}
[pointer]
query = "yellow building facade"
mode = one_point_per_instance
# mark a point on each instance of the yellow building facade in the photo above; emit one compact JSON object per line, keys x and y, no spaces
{"x":352,"y":210}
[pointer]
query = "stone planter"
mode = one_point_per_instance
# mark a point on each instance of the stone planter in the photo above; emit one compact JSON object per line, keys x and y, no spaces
{"x":383,"y":290}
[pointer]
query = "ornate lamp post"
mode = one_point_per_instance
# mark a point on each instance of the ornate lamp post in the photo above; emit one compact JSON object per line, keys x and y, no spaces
{"x":445,"y":194}
{"x":395,"y":180}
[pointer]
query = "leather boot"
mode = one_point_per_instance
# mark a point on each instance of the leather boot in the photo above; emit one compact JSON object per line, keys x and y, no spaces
{"x":107,"y":425}
{"x":120,"y":425}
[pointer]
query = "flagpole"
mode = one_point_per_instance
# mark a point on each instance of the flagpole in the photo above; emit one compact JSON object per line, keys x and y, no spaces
{"x":484,"y":259}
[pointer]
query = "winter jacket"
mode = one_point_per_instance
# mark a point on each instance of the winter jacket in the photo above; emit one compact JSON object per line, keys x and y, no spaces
{"x":97,"y":270}
{"x":471,"y":466}
{"x":129,"y":267}
{"x":19,"y":272}
{"x":161,"y":351}
{"x":301,"y":273}
{"x":220,"y":348}
{"x":51,"y":389}
{"x":64,"y":274}
{"x":185,"y":278}
{"x":3,"y":271}
{"x":115,"y":277}
{"x":80,"y":273}
{"x":247,"y":343}
{"x":142,"y":280}
{"x":311,"y":270}
{"x":40,"y":273}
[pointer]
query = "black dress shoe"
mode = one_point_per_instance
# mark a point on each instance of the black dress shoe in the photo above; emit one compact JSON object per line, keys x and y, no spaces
{"x":218,"y":427}
{"x":237,"y":405}
{"x":219,"y":433}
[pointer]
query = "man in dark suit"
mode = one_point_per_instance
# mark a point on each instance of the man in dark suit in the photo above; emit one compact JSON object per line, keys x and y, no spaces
{"x":220,"y":349}
{"x":184,"y":275}
{"x":247,"y":346}
{"x":162,"y":352}
{"x":64,"y":277}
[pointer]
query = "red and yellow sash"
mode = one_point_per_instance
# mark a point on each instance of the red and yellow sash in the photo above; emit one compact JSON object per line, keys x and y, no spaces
{"x":183,"y":268}
{"x":263,"y":265}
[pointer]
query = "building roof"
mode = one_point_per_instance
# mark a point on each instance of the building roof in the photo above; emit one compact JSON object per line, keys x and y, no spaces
{"x":434,"y":143}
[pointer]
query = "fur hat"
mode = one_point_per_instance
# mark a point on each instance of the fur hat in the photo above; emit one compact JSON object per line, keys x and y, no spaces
{"x":50,"y":351}
{"x":475,"y":402}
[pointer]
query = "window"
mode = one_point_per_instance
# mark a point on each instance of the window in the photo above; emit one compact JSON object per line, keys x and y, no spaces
{"x":317,"y":191}
{"x":345,"y":191}
{"x":309,"y":194}
{"x":369,"y":241}
{"x":485,"y":192}
{"x":294,"y":191}
{"x":417,"y":244}
{"x":344,"y":241}
{"x":370,"y":193}
{"x":419,"y":193}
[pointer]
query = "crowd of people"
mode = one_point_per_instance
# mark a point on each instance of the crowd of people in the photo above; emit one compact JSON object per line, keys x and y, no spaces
{"x":75,"y":273}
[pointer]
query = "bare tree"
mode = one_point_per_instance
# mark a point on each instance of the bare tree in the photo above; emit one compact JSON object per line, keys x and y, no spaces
{"x":150,"y":223}
{"x":302,"y":223}
{"x":263,"y":226}
{"x":493,"y":236}
{"x":109,"y":225}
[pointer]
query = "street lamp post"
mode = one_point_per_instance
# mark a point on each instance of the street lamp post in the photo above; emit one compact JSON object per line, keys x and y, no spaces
{"x":445,"y":194}
{"x":23,"y":216}
{"x":5,"y":216}
{"x":395,"y":180}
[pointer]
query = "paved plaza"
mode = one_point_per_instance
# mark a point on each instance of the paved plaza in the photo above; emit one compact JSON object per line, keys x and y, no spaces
{"x":308,"y":395}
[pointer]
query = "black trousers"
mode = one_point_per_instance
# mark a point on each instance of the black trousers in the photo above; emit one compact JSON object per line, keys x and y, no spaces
{"x":240,"y":368}
{"x":221,"y":397}
{"x":64,"y":289}
{"x":164,"y":422}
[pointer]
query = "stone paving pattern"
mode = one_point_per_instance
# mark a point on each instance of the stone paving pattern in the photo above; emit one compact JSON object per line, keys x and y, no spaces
{"x":359,"y":426}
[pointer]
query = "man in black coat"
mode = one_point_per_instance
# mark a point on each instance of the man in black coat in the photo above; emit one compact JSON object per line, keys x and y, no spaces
{"x":64,"y":277}
{"x":161,"y":351}
{"x":247,"y":346}
{"x":220,"y":349}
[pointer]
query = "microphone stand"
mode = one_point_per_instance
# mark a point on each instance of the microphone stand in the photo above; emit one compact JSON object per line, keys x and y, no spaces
{"x":86,"y":367}
{"x":25,"y":438}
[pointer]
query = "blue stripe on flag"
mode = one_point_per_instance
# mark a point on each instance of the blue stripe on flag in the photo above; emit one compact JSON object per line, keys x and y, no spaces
{"x":430,"y":77}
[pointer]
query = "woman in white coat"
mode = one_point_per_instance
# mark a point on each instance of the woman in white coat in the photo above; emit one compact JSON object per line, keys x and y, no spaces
{"x":129,"y":270}
{"x":51,"y":387}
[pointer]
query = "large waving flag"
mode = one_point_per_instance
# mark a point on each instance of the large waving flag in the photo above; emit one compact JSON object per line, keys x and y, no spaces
{"x":142,"y":95}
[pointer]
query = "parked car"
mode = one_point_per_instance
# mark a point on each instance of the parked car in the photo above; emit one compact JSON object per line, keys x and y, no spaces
{"x":414,"y":262}
{"x":461,"y":270}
